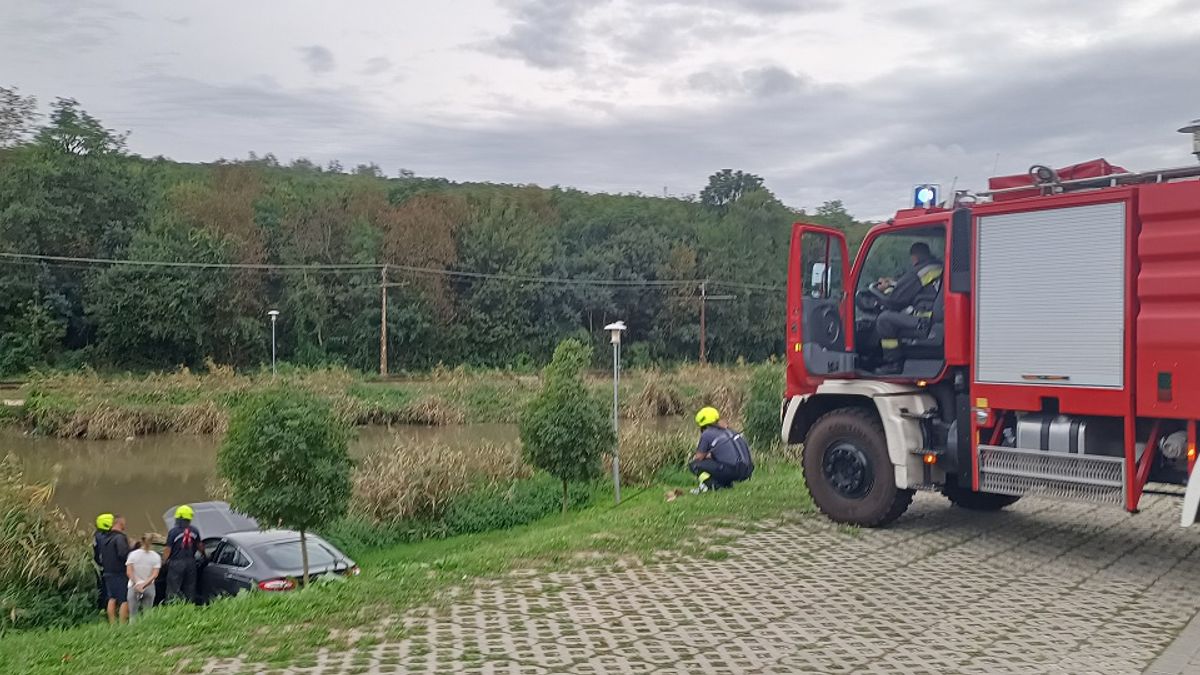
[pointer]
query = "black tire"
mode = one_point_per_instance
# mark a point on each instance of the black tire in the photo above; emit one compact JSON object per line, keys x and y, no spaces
{"x":977,"y":501}
{"x":848,"y":471}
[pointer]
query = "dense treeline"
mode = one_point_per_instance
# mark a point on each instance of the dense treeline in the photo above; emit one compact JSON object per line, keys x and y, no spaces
{"x":69,"y":187}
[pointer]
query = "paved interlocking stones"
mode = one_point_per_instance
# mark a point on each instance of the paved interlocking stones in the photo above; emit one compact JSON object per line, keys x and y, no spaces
{"x":1042,"y":588}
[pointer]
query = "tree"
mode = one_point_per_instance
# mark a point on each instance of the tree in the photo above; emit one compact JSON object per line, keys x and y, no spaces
{"x":565,"y":429}
{"x":286,"y":460}
{"x":17,"y":115}
{"x":372,"y":169}
{"x":727,"y":186}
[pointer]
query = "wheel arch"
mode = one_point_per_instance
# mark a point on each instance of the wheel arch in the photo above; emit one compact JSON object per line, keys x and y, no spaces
{"x":896,"y":406}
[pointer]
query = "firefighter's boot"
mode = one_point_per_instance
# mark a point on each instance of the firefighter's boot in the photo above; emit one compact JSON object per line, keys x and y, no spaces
{"x":704,"y":486}
{"x":893,"y":357}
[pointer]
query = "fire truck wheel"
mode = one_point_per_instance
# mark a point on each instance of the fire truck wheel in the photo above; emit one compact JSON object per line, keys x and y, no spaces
{"x":848,"y":471}
{"x":977,"y":501}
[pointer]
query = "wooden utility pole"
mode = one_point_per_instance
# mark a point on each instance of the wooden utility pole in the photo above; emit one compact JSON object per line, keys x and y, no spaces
{"x":383,"y":337}
{"x":705,"y":298}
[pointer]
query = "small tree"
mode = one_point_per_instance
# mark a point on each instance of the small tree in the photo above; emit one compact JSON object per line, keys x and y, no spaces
{"x":565,"y":430}
{"x":762,"y":409}
{"x":286,"y":460}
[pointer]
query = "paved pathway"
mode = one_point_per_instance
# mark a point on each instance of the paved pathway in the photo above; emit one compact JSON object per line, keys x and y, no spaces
{"x":1042,"y":588}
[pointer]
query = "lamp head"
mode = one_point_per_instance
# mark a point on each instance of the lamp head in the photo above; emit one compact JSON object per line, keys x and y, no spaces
{"x":614,"y":330}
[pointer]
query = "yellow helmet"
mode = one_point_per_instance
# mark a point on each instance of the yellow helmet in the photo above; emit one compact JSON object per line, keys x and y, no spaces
{"x":184,"y":512}
{"x":104,"y":522}
{"x":707,"y":415}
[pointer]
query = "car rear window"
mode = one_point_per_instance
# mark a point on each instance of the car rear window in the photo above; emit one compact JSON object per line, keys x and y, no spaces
{"x":286,"y":555}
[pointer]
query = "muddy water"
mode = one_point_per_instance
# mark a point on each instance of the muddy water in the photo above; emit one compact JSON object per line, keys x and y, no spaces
{"x":143,"y":477}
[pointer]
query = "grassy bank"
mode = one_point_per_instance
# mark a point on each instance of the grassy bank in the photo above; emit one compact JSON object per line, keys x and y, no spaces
{"x":92,"y":406}
{"x":289,"y":628}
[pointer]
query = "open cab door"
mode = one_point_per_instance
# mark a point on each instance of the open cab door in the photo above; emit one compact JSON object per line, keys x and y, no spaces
{"x":820,"y":342}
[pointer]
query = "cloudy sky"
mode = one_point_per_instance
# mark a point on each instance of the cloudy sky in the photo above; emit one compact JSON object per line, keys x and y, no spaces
{"x":827,"y":99}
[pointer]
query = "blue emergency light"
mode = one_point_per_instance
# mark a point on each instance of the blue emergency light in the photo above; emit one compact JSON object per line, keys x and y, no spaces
{"x":925,"y":196}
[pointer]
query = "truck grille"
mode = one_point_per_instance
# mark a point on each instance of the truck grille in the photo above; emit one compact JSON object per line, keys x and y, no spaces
{"x":1016,"y":471}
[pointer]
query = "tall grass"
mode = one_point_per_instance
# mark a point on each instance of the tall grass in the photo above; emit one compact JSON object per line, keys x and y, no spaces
{"x":414,"y":480}
{"x":45,"y":576}
{"x":84,"y":404}
{"x":646,"y":453}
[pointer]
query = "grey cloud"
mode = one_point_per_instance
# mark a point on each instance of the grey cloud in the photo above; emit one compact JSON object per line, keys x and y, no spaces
{"x":545,"y":33}
{"x":317,"y":58}
{"x":377,"y":65}
{"x":756,"y":82}
{"x":867,"y":145}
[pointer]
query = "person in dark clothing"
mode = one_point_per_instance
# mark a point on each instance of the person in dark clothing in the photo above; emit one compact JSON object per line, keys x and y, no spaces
{"x":179,"y":556}
{"x":910,"y":307}
{"x":722,"y":457}
{"x":104,"y":523}
{"x":114,"y":549}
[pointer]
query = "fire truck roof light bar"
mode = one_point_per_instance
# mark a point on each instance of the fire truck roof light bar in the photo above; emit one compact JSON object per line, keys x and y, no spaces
{"x":1112,"y":180}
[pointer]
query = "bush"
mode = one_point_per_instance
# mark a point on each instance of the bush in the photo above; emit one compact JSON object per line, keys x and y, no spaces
{"x":499,"y":507}
{"x":565,"y":430}
{"x":286,"y":461}
{"x":45,"y":574}
{"x":762,"y":410}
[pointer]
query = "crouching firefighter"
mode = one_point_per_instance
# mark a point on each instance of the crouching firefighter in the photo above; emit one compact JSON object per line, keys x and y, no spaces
{"x":722,"y":457}
{"x":911,"y":306}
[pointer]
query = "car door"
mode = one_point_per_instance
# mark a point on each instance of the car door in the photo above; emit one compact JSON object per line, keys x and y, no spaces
{"x":228,"y":570}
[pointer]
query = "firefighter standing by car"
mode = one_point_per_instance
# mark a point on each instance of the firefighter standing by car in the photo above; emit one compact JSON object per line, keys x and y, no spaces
{"x":104,"y":523}
{"x":179,"y":556}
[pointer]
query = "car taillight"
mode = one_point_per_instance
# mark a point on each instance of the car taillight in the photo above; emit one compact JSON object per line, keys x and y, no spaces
{"x":276,"y":585}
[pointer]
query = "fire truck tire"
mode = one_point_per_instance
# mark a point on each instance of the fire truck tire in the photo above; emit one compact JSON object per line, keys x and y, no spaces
{"x":977,"y":501}
{"x":848,"y":471}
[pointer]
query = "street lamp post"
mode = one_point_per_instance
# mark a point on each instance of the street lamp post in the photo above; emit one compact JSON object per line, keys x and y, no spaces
{"x":274,"y":314}
{"x":614,"y":331}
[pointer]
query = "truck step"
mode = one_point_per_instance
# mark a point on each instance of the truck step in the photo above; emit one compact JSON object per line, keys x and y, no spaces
{"x":1058,"y":475}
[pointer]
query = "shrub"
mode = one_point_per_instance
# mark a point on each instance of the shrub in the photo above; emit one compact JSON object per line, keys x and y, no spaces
{"x":500,"y":506}
{"x":565,"y":430}
{"x":45,"y":574}
{"x":762,"y":409}
{"x":285,"y":457}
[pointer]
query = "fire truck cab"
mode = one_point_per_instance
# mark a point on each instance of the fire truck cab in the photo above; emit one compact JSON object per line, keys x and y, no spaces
{"x":1062,"y":359}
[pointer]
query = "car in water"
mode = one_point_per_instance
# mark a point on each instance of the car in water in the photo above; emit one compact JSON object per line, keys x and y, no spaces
{"x":239,"y":556}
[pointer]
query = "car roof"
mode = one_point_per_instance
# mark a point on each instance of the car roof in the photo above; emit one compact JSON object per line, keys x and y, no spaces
{"x":257,"y":537}
{"x":214,"y":519}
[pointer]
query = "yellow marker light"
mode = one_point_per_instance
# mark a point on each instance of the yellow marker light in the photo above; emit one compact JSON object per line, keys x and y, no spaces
{"x":921,"y":383}
{"x":930,"y":458}
{"x":1191,"y":452}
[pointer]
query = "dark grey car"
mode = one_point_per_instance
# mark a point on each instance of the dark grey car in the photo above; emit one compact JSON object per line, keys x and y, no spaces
{"x":239,"y":556}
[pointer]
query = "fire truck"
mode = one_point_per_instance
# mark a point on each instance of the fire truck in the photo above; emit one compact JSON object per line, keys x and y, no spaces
{"x":1062,"y":361}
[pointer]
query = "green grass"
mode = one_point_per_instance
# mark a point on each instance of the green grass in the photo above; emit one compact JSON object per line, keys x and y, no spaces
{"x":288,"y":628}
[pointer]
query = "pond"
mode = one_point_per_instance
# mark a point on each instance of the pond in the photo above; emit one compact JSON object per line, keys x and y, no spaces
{"x":143,"y":477}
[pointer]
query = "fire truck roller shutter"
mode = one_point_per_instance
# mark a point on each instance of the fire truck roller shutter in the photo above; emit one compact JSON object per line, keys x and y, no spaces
{"x":1050,"y":297}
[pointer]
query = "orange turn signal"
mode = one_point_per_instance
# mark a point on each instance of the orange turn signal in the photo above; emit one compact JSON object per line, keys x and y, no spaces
{"x":930,"y":458}
{"x":1191,"y":452}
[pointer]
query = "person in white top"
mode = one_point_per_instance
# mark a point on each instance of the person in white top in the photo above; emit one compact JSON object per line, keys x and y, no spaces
{"x":142,"y":567}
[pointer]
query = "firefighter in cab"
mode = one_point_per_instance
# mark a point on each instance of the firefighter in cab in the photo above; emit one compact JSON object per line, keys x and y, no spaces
{"x":910,"y":305}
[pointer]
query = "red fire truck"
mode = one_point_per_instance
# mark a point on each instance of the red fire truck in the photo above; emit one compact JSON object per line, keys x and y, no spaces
{"x":1063,"y":359}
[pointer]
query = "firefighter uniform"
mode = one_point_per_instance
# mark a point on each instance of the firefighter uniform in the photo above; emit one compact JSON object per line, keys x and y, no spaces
{"x":911,"y":307}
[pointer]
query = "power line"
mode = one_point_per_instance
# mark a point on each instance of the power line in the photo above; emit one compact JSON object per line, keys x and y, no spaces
{"x":72,"y":261}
